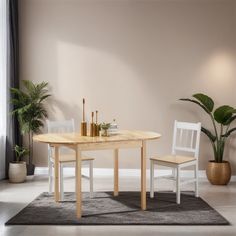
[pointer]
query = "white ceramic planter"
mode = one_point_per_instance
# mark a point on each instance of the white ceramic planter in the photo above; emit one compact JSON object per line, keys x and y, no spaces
{"x":17,"y":172}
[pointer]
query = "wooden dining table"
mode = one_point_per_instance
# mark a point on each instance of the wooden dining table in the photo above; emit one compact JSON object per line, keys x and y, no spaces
{"x":124,"y":139}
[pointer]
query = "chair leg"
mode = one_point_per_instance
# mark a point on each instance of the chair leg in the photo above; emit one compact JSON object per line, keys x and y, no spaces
{"x":61,"y":183}
{"x":174,"y":182}
{"x":178,"y":186}
{"x":50,"y":180}
{"x":91,"y":178}
{"x":151,"y":179}
{"x":196,"y":180}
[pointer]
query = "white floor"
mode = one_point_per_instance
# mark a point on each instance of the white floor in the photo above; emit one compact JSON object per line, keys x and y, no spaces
{"x":13,"y":197}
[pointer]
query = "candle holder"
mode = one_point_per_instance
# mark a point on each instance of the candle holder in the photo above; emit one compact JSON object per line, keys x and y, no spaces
{"x":83,"y":126}
{"x":97,"y":126}
{"x":92,"y":127}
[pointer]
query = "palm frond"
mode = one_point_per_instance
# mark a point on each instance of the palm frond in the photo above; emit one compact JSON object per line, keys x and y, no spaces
{"x":209,"y":134}
{"x":196,"y":102}
{"x":227,"y":134}
{"x":230,"y":120}
{"x":29,"y":85}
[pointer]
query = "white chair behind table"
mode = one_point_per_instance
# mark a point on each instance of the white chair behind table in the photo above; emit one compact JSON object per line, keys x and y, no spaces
{"x":67,"y":156}
{"x":186,"y":139}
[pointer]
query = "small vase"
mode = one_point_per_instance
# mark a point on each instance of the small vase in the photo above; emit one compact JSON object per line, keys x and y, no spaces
{"x":105,"y":133}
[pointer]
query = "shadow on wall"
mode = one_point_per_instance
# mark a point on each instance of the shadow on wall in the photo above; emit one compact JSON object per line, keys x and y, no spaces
{"x":132,"y":60}
{"x":63,"y":111}
{"x":143,"y":56}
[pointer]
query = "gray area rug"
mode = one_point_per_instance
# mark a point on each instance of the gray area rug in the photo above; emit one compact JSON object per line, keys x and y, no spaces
{"x":104,"y":209}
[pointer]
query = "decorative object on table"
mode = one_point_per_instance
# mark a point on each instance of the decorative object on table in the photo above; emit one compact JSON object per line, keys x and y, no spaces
{"x":104,"y":129}
{"x":83,"y":126}
{"x":97,"y":126}
{"x":17,"y":169}
{"x":92,"y":127}
{"x":105,"y":209}
{"x":218,"y":170}
{"x":30,"y":111}
{"x":113,"y":128}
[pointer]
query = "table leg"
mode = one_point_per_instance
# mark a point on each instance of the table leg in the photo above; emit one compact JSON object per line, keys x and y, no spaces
{"x":78,"y":184}
{"x":143,"y":176}
{"x":56,"y":177}
{"x":116,"y":172}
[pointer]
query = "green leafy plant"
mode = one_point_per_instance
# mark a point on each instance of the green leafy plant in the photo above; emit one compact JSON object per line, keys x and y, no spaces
{"x":29,"y":108}
{"x":20,"y":152}
{"x":222,"y":118}
{"x":105,"y":126}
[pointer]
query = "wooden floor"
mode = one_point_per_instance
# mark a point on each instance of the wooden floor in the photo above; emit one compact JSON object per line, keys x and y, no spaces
{"x":13,"y":197}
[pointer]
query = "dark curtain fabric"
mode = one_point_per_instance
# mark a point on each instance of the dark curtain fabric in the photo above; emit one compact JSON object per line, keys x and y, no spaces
{"x":13,"y":133}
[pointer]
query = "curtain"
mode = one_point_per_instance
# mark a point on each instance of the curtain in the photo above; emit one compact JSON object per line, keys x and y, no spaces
{"x":3,"y":68}
{"x":13,"y":136}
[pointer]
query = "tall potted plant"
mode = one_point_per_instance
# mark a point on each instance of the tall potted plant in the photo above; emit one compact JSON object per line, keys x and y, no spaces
{"x":30,"y":111}
{"x":218,"y":170}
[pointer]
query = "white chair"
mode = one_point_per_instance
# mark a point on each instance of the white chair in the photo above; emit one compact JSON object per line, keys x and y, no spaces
{"x":67,"y":156}
{"x":186,"y":139}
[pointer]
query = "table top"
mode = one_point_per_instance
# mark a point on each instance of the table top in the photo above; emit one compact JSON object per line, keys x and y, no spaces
{"x":76,"y":138}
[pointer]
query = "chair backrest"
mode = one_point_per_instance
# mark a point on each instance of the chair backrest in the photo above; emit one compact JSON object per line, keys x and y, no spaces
{"x":186,"y":138}
{"x":65,"y":126}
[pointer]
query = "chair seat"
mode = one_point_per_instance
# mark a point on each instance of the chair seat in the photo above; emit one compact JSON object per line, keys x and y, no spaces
{"x":71,"y":158}
{"x":174,"y":159}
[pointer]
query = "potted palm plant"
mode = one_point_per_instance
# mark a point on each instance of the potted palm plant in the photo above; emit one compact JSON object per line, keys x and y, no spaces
{"x":17,"y":169}
{"x":218,"y":170}
{"x":30,"y":111}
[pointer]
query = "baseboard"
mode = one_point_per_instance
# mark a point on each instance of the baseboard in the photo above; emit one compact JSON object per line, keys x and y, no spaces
{"x":108,"y":172}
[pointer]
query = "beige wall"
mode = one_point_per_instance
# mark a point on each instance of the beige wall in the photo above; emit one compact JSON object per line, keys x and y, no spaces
{"x":132,"y":60}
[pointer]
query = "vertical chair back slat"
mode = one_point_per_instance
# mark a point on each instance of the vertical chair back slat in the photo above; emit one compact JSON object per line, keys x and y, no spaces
{"x":186,"y":138}
{"x":192,"y":136}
